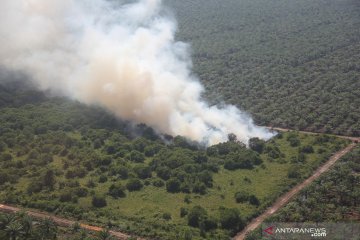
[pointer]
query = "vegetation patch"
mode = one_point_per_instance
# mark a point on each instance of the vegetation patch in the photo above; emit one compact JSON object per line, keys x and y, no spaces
{"x":85,"y":164}
{"x":331,"y":198}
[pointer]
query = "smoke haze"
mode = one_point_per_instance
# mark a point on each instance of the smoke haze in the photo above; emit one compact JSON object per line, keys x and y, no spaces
{"x":122,"y":57}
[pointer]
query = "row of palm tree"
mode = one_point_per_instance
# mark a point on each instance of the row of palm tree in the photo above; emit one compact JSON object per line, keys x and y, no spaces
{"x":21,"y":226}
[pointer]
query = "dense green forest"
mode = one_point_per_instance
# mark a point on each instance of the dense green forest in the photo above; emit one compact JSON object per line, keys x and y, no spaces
{"x":80,"y":162}
{"x":334,"y":197}
{"x":289,"y":63}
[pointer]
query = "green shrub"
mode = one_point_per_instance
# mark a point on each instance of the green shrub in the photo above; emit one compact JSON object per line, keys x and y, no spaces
{"x":103,"y":179}
{"x":134,"y":184}
{"x":196,"y":215}
{"x":241,"y":197}
{"x":123,"y":172}
{"x":4,"y":177}
{"x":199,"y":187}
{"x":173,"y":185}
{"x":187,"y":199}
{"x":307,"y":149}
{"x":158,"y":182}
{"x":210,"y":224}
{"x":230,"y":219}
{"x":143,"y":171}
{"x":99,"y":201}
{"x":257,"y":144}
{"x":66,"y":196}
{"x":166,"y":216}
{"x":293,"y":140}
{"x":137,"y":156}
{"x":183,"y":212}
{"x":253,"y":200}
{"x":117,"y":191}
{"x":81,"y":191}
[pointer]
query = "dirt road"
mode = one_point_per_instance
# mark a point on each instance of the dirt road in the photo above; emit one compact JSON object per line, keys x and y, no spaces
{"x":62,"y":221}
{"x":354,"y":139}
{"x":284,"y":199}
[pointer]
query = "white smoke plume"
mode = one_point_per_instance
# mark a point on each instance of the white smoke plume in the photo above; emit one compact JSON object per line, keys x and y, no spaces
{"x":120,"y":56}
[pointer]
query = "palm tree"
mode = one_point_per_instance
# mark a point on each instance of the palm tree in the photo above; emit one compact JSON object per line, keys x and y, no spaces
{"x":27,"y":224}
{"x":6,"y":219}
{"x":104,"y":235}
{"x":47,"y":229}
{"x":13,"y":230}
{"x":75,"y":227}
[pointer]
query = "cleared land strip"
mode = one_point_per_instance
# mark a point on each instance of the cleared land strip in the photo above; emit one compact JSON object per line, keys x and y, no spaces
{"x":62,"y":221}
{"x":354,"y":139}
{"x":284,"y":199}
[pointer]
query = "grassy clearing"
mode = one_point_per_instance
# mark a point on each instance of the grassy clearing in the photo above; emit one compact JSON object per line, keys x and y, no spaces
{"x":266,"y":182}
{"x":142,"y":212}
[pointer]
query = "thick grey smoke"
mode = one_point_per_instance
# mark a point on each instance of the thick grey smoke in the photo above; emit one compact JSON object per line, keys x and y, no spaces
{"x":122,"y":57}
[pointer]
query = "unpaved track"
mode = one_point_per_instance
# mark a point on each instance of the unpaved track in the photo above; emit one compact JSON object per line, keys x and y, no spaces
{"x":62,"y":221}
{"x":354,"y":139}
{"x":284,"y":199}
